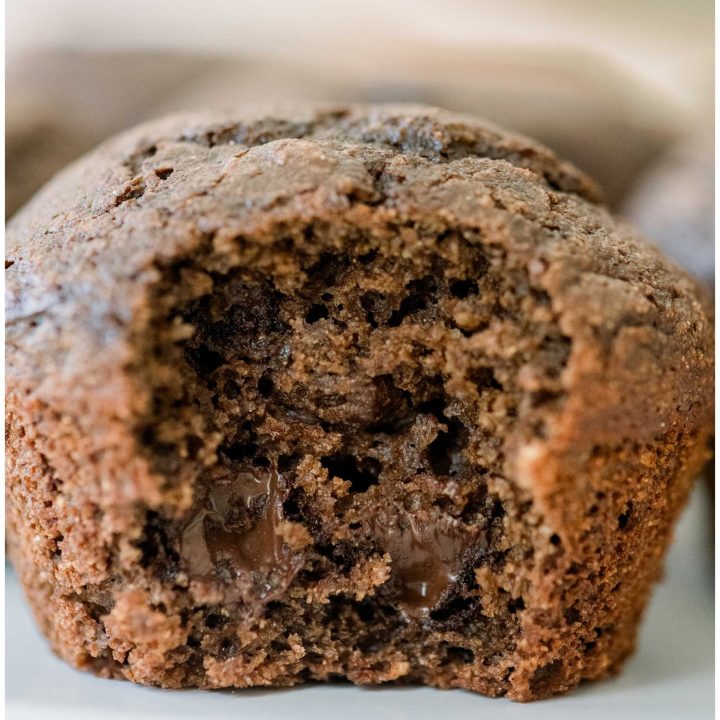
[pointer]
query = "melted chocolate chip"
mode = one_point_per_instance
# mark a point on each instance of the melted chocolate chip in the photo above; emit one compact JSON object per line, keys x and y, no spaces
{"x":426,"y":559}
{"x":235,"y":522}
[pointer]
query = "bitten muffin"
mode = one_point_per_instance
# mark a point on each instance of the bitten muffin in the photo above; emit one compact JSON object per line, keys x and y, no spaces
{"x":376,"y":393}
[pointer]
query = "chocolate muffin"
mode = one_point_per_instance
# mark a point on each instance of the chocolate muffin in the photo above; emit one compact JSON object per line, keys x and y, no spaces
{"x":375,"y":393}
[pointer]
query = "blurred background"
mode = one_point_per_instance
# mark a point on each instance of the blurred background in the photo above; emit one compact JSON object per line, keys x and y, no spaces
{"x":623,"y":89}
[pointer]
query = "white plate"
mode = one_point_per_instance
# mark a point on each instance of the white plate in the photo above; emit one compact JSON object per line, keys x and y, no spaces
{"x":671,"y":676}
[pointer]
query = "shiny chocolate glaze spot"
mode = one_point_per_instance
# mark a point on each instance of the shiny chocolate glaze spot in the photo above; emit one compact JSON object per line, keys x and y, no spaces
{"x":224,"y":526}
{"x":426,"y":558}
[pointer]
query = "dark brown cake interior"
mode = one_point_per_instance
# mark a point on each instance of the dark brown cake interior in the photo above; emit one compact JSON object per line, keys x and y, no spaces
{"x":343,"y":432}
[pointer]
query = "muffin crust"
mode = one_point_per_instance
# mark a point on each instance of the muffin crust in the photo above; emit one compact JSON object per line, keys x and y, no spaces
{"x":377,"y":393}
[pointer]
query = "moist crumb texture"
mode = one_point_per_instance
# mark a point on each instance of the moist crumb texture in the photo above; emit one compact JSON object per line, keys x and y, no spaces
{"x":366,"y":393}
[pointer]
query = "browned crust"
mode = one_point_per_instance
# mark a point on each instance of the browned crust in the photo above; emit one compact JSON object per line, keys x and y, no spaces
{"x":84,"y":255}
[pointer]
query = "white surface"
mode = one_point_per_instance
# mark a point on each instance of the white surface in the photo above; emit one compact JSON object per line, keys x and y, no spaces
{"x":670,"y":677}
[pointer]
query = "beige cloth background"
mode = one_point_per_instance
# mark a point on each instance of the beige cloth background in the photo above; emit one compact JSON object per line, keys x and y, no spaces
{"x":609,"y":84}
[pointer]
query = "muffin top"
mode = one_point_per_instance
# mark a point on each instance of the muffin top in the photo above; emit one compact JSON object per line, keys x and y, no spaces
{"x":83,"y":256}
